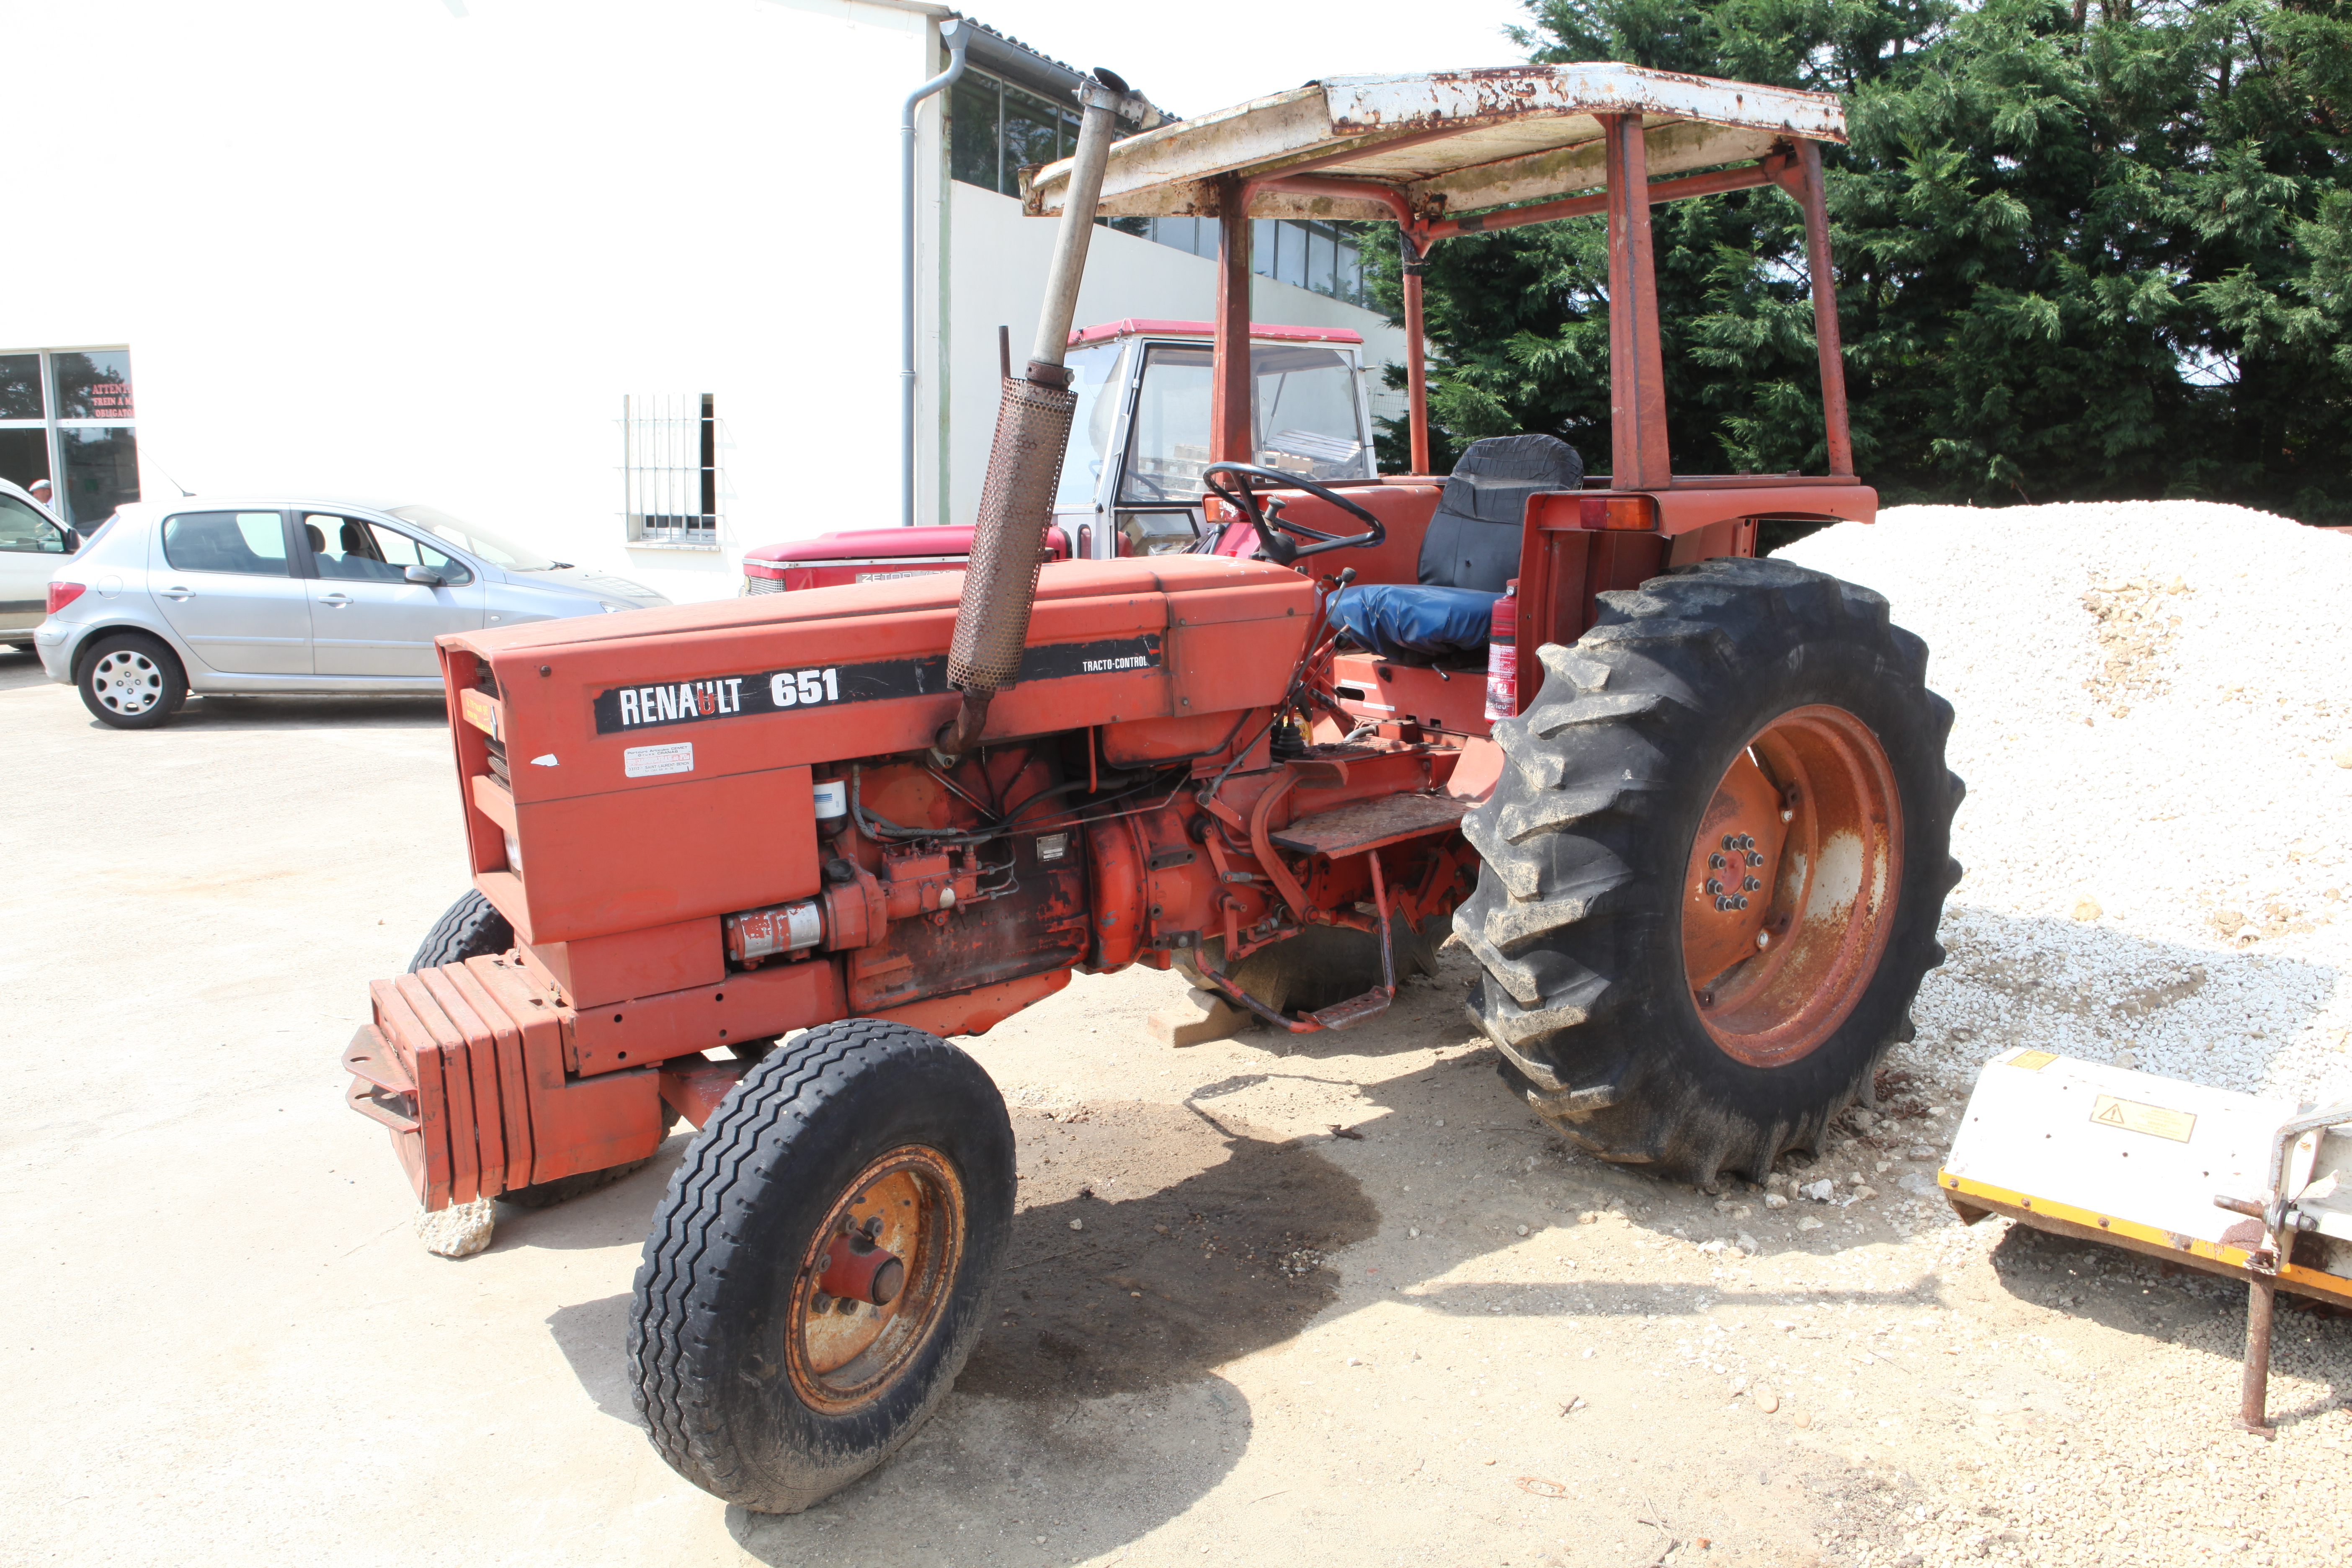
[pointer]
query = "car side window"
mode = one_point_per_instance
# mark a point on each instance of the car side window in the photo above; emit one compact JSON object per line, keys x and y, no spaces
{"x":253,"y":543}
{"x":24,"y":531}
{"x":349,"y":551}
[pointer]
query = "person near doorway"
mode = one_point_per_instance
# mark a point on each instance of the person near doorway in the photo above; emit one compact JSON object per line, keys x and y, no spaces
{"x":39,"y":490}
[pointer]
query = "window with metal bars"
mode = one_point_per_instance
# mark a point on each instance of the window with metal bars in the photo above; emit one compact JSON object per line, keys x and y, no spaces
{"x":670,"y":470}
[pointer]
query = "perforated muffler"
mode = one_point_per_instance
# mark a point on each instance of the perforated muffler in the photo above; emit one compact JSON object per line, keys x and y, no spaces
{"x":1033,"y":432}
{"x":1025,"y":465}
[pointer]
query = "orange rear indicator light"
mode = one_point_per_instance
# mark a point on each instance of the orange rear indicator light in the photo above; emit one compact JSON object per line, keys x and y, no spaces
{"x":1632,"y":514}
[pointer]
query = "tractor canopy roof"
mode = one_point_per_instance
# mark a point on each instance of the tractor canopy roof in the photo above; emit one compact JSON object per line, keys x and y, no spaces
{"x":1423,"y":149}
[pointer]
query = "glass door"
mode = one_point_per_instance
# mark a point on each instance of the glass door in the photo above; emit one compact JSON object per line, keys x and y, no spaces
{"x":66,"y":417}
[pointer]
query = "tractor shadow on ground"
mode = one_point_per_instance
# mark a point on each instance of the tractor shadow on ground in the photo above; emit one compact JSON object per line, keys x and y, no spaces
{"x":1093,"y":1379}
{"x":985,"y":1473}
{"x":1148,"y":1247}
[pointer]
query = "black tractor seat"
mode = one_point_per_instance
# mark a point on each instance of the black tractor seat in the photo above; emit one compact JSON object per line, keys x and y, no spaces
{"x":1467,"y":557}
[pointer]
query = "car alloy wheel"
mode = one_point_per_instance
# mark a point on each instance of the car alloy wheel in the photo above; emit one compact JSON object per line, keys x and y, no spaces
{"x":126,"y":681}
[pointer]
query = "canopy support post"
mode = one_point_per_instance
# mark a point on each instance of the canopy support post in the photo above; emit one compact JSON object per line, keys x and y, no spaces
{"x":1415,"y":261}
{"x":1637,"y":409}
{"x":1228,"y":393}
{"x":1825,"y":316}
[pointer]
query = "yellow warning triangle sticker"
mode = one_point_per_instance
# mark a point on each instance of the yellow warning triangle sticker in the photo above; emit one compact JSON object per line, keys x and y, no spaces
{"x":2112,"y":1114}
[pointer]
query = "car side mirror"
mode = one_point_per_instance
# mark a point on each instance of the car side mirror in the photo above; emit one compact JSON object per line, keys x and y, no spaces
{"x":73,"y":541}
{"x":424,"y":575}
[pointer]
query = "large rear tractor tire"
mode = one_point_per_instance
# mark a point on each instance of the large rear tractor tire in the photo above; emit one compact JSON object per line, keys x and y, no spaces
{"x":1714,"y":865}
{"x":821,"y":1265}
{"x":473,"y":928}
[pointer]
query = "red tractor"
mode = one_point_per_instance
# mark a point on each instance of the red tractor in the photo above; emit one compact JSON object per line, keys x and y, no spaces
{"x":753,"y":862}
{"x":1131,"y":482}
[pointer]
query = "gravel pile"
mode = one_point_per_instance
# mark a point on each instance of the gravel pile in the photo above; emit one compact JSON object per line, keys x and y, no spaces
{"x":2152,"y":699}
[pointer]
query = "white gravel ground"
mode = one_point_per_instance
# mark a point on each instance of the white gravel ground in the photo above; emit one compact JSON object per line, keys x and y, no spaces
{"x":2151,"y":700}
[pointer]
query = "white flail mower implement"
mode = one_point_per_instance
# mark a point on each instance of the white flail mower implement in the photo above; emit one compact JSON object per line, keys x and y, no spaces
{"x":2247,"y":1186}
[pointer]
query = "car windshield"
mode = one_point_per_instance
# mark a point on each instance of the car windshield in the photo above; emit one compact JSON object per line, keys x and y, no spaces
{"x":478,"y":541}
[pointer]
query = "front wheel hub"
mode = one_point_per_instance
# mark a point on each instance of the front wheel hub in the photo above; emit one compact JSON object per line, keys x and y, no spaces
{"x":857,"y":1271}
{"x":1793,"y":879}
{"x":876,"y":1279}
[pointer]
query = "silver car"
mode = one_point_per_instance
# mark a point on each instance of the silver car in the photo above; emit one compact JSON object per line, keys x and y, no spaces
{"x":33,"y":544}
{"x":211,"y":595}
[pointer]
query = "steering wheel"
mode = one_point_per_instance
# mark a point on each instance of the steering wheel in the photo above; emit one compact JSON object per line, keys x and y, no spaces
{"x":1278,"y":550}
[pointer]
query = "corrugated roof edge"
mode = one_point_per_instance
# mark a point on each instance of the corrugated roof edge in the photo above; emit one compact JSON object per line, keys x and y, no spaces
{"x":1011,"y":58}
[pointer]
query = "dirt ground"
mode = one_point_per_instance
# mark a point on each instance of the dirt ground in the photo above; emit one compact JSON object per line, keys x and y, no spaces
{"x":1337,"y":1298}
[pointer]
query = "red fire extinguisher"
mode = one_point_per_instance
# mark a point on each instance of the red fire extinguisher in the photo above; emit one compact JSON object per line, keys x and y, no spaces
{"x":1503,"y":655}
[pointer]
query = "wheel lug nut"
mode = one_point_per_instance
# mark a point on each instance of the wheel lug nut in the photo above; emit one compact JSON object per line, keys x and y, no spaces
{"x":1713,"y":885}
{"x":1739,"y":902}
{"x":1748,"y":884}
{"x":1729,"y":842}
{"x":820,"y":1302}
{"x":1754,"y":859}
{"x":1706,"y":998}
{"x":1715,"y":861}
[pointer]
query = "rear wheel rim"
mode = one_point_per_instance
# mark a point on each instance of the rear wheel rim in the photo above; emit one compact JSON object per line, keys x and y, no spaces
{"x":1793,"y":879}
{"x":126,"y":681}
{"x":838,"y":1360}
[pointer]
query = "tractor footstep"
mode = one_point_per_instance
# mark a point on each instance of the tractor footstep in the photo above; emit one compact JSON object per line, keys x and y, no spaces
{"x":459,"y":1231}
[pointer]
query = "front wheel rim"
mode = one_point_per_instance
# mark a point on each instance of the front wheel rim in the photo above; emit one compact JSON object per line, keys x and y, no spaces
{"x":840,"y":1358}
{"x":127,"y":683}
{"x":1794,"y":880}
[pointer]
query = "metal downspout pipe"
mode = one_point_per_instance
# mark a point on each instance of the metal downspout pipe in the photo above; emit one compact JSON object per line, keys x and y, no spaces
{"x":956,"y":33}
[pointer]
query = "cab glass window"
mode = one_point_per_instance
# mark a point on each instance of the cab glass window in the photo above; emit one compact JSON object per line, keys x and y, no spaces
{"x":1306,"y":412}
{"x":248,"y":542}
{"x":1169,"y":445}
{"x":24,"y":531}
{"x":1093,"y":376}
{"x":1303,"y":413}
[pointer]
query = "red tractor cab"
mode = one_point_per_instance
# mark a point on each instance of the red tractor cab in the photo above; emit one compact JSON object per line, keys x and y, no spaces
{"x":1130,"y":484}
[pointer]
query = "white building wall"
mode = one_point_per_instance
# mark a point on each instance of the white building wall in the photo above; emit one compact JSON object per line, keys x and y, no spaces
{"x":996,"y":275}
{"x":421,"y":248}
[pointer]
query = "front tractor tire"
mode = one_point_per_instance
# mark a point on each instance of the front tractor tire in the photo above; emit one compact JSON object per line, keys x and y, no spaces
{"x":1714,"y":865}
{"x":821,"y":1265}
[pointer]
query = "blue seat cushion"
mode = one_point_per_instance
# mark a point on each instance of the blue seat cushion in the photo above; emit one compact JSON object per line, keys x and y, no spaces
{"x":1415,"y":625}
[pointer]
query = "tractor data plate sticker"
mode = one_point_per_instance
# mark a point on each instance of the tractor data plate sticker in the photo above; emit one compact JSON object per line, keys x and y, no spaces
{"x":2157,"y":1120}
{"x":625,"y":709}
{"x":479,"y":712}
{"x":2032,"y":1061}
{"x":645,"y":762}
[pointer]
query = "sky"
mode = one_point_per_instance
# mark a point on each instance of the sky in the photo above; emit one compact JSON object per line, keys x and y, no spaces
{"x":1207,"y":54}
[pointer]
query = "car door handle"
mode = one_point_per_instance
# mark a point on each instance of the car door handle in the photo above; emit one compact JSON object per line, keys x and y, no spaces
{"x":337,"y":600}
{"x":176,"y":592}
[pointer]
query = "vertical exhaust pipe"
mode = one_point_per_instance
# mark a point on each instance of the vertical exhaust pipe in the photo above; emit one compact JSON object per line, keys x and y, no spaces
{"x":1025,"y":464}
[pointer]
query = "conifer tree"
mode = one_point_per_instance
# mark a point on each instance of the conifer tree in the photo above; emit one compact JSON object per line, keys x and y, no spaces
{"x":2083,"y":251}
